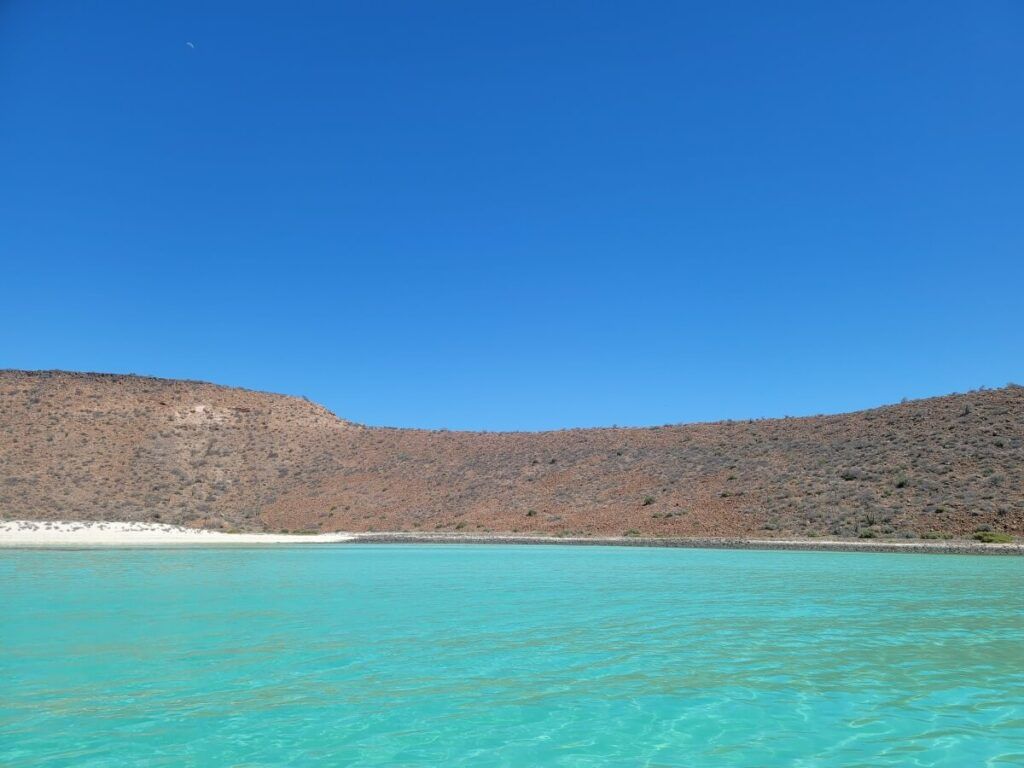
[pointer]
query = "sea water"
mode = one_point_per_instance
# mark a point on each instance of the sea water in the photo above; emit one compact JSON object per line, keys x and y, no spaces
{"x":408,"y":655}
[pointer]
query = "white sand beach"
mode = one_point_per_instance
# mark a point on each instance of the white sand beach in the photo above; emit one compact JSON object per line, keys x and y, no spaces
{"x":30,"y":533}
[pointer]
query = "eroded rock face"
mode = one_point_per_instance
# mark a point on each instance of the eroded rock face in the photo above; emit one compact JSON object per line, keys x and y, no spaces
{"x":107,"y":447}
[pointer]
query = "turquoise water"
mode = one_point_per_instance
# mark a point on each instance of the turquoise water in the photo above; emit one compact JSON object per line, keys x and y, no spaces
{"x":518,"y":656}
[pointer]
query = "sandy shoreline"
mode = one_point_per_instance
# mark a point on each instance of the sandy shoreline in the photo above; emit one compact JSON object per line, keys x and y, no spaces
{"x":77,"y":535}
{"x":35,"y":534}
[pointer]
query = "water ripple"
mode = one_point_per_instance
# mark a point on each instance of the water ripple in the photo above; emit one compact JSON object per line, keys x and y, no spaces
{"x":506,"y":656}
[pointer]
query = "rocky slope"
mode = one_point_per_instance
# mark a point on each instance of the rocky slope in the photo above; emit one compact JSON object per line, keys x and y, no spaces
{"x":106,"y":447}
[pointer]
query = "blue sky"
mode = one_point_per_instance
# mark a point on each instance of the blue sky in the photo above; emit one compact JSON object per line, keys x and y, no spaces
{"x":518,"y":215}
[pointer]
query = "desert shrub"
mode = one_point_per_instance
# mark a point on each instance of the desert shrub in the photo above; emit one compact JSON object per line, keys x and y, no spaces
{"x":648,"y":500}
{"x":993,"y":537}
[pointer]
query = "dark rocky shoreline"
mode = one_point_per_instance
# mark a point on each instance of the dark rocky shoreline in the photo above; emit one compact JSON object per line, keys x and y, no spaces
{"x":957,"y":547}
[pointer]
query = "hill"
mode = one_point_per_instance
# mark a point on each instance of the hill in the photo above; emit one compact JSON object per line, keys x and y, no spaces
{"x":78,"y":446}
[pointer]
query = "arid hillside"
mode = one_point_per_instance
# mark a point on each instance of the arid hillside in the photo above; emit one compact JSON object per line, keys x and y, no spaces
{"x":79,"y":446}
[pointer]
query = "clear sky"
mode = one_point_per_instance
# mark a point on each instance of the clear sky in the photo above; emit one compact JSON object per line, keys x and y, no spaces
{"x":518,"y":215}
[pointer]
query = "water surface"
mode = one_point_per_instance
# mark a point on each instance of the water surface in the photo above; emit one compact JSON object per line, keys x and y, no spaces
{"x":420,"y":655}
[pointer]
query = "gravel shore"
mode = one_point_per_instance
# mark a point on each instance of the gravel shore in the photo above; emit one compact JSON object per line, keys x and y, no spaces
{"x":945,"y":547}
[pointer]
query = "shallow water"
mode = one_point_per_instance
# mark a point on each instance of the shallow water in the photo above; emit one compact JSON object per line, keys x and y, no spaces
{"x":458,"y":655}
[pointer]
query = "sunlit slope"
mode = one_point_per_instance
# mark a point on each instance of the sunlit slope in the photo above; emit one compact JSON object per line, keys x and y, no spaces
{"x":94,"y":446}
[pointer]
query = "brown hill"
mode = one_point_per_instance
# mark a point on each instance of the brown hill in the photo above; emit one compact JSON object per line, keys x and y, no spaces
{"x":106,"y":447}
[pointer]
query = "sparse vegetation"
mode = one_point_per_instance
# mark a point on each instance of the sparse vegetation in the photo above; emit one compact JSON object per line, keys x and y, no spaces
{"x":668,"y":515}
{"x":993,"y":537}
